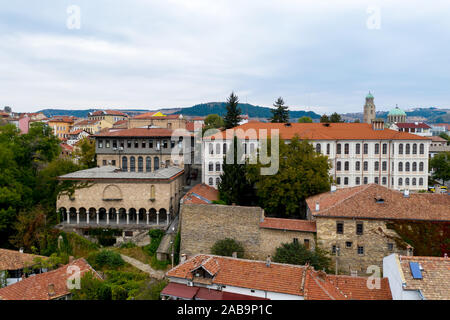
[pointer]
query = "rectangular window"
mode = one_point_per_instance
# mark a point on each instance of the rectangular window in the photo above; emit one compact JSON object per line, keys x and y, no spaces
{"x":390,"y":246}
{"x":295,"y":240}
{"x":357,"y":181}
{"x":366,"y":180}
{"x":144,"y":144}
{"x":358,"y":148}
{"x":377,"y":148}
{"x":348,"y":244}
{"x":172,"y":144}
{"x":366,"y":166}
{"x":114,"y":143}
{"x":113,"y":162}
{"x":339,"y":228}
{"x":165,"y":144}
{"x":338,"y":151}
{"x":384,"y":165}
{"x":136,"y":144}
{"x":107,"y":144}
{"x":306,"y":243}
{"x":150,"y":144}
{"x":100,"y":143}
{"x":128,"y":144}
{"x":359,"y":229}
{"x":328,"y":148}
{"x":357,"y":166}
{"x":360,"y":250}
{"x":122,"y":144}
{"x":377,"y":166}
{"x":384,"y":148}
{"x":366,"y":148}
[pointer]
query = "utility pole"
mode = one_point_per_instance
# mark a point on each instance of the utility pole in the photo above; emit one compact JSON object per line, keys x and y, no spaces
{"x":171,"y":242}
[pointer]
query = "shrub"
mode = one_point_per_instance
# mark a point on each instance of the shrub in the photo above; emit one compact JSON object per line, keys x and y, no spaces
{"x":226,"y":247}
{"x":128,"y":245}
{"x":119,"y":293}
{"x":92,"y":289}
{"x":155,"y":235}
{"x":296,"y":253}
{"x":108,"y":258}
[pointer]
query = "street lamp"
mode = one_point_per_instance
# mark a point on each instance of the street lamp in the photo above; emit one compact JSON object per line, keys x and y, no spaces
{"x":120,"y":149}
{"x":171,"y":243}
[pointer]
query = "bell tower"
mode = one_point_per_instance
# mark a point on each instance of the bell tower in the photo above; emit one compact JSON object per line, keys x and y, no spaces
{"x":369,"y":109}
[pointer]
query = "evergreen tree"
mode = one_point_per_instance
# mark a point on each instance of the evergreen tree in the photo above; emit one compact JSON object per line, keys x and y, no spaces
{"x":234,"y":187}
{"x":335,"y":118}
{"x":281,"y":113}
{"x":324,"y":119}
{"x":233,"y":116}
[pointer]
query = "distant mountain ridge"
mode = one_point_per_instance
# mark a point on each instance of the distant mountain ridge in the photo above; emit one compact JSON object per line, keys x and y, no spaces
{"x":199,"y":110}
{"x":431,"y":115}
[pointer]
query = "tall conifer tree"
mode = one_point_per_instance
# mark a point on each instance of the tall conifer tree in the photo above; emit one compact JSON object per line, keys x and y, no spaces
{"x":281,"y":113}
{"x":233,"y":116}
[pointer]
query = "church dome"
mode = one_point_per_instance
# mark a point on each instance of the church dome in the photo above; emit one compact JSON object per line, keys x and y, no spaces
{"x":397,"y":112}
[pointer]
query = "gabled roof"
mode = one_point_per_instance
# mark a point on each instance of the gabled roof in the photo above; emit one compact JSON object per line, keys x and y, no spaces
{"x":157,"y":116}
{"x":108,"y":112}
{"x":281,"y":278}
{"x":435,"y":282}
{"x":77,"y":132}
{"x":87,"y":122}
{"x":315,"y":131}
{"x":201,"y":194}
{"x":412,"y":125}
{"x":288,"y":224}
{"x":360,"y":202}
{"x":14,"y":260}
{"x":68,"y":119}
{"x":37,"y":287}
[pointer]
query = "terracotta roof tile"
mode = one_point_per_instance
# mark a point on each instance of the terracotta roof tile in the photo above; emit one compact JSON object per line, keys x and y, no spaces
{"x":108,"y":112}
{"x":37,"y":287}
{"x":149,"y":116}
{"x":140,"y":132}
{"x":288,"y":224}
{"x":413,"y":125}
{"x":14,"y":260}
{"x":361,"y":202}
{"x":201,"y":194}
{"x":435,"y":284}
{"x":319,"y":131}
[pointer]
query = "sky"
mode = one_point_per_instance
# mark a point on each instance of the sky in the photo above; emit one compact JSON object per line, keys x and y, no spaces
{"x":322,"y":55}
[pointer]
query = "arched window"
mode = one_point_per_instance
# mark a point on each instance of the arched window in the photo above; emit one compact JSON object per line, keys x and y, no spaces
{"x":211,"y":181}
{"x":400,"y":166}
{"x":414,"y":166}
{"x":218,"y":148}
{"x":357,"y":166}
{"x":132,"y":164}
{"x":408,"y":149}
{"x":211,"y":148}
{"x":357,"y":181}
{"x":414,"y":148}
{"x":358,"y":148}
{"x":338,"y":166}
{"x":422,"y":148}
{"x":328,"y":148}
{"x":124,"y":164}
{"x":148,"y":164}
{"x":407,"y":167}
{"x":400,"y":148}
{"x":384,"y":180}
{"x":210,"y":167}
{"x":318,"y":147}
{"x":421,"y":166}
{"x":224,"y":148}
{"x":217,"y":181}
{"x":338,"y":150}
{"x":376,"y":180}
{"x":407,"y":181}
{"x":420,"y":181}
{"x":217,"y":166}
{"x":346,"y":148}
{"x":140,"y":164}
{"x":346,"y":166}
{"x":414,"y":181}
{"x":252,"y":148}
{"x":156,"y":163}
{"x":400,"y":181}
{"x":377,"y":166}
{"x":346,"y":181}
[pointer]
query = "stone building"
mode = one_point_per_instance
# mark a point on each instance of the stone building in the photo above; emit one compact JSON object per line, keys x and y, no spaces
{"x":106,"y":196}
{"x":359,"y":153}
{"x":144,"y":149}
{"x":204,"y":224}
{"x":369,"y":109}
{"x":111,"y":116}
{"x":352,"y":223}
{"x":157,"y":120}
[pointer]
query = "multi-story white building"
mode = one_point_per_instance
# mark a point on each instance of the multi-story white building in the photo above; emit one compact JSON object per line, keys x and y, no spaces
{"x":359,"y":153}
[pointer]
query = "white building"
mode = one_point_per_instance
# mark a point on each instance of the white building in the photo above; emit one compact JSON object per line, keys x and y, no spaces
{"x":419,"y":128}
{"x":359,"y":153}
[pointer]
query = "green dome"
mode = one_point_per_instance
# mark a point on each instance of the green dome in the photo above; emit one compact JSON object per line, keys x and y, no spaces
{"x":369,"y":96}
{"x":397,"y":112}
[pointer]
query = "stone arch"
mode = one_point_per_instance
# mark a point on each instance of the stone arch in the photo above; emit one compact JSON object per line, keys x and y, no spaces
{"x":124,"y":163}
{"x":73,"y":213}
{"x":148,"y":164}
{"x":112,"y":192}
{"x":122,"y":214}
{"x":156,"y":163}
{"x":112,"y":215}
{"x":92,"y":213}
{"x":132,"y":214}
{"x":162,"y":215}
{"x":152,"y":215}
{"x":102,"y":214}
{"x":142,"y":215}
{"x":62,"y":213}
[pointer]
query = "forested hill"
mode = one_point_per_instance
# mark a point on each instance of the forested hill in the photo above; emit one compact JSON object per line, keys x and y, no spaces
{"x":252,"y":111}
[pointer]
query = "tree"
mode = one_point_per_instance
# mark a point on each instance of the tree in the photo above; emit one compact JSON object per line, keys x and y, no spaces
{"x":445,"y":136}
{"x":302,"y":173}
{"x":356,"y":121}
{"x":304,"y":119}
{"x":92,"y":288}
{"x":335,"y":118}
{"x":296,"y":253}
{"x":213,"y":121}
{"x":233,"y":116}
{"x":234,"y":187}
{"x":281,"y":113}
{"x":227,"y":247}
{"x":30,"y":229}
{"x":324,"y":119}
{"x":85,"y":153}
{"x":440,"y":164}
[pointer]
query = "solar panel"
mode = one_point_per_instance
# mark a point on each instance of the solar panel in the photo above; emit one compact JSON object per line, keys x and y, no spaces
{"x":415,"y":270}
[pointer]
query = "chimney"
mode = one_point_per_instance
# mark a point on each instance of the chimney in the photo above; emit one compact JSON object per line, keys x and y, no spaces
{"x":183,"y":258}
{"x":234,"y":254}
{"x":268,"y":262}
{"x":317,"y":206}
{"x":409,"y":250}
{"x":378,"y":124}
{"x":51,"y":290}
{"x":406,"y":193}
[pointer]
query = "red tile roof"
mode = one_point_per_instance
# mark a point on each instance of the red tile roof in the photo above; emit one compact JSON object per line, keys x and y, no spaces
{"x":140,"y":132}
{"x":438,"y":139}
{"x":282,"y":278}
{"x":360,"y":202}
{"x":37,"y":287}
{"x":288,"y":224}
{"x":68,"y":119}
{"x":434,"y":284}
{"x":14,"y":260}
{"x":201,"y":194}
{"x":412,"y":125}
{"x":86,"y":122}
{"x":149,"y":115}
{"x":317,"y":131}
{"x":108,"y":112}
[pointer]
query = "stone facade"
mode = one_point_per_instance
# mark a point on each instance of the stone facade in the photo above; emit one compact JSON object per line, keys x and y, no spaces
{"x":376,"y":240}
{"x":369,"y":110}
{"x":203,"y":225}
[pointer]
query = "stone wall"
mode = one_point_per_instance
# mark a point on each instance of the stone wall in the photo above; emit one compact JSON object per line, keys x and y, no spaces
{"x":375,"y":239}
{"x":203,"y":225}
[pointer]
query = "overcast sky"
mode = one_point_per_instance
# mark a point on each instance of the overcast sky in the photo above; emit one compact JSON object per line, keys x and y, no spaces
{"x":318,"y":55}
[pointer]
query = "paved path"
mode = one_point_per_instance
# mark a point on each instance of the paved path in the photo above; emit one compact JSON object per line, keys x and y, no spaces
{"x":144,"y":267}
